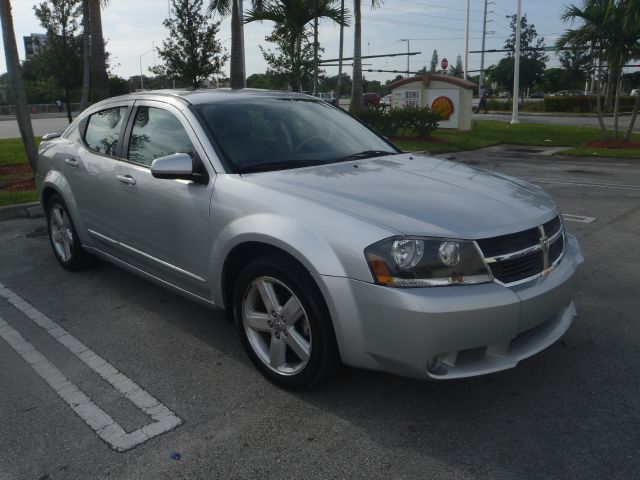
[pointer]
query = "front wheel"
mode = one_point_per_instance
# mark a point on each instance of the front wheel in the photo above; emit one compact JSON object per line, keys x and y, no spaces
{"x":64,"y":238}
{"x":284,"y":323}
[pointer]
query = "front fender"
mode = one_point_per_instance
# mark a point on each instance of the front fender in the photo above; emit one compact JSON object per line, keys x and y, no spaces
{"x":310,"y":249}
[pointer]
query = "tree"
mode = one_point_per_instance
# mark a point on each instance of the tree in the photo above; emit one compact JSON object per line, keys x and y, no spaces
{"x":269,"y":81}
{"x":99,"y":77}
{"x":577,"y":66}
{"x":433,"y":66}
{"x":458,"y":70}
{"x":294,"y":66}
{"x":356,"y":84}
{"x":612,"y":29}
{"x":192,"y":52}
{"x":292,"y":18}
{"x":14,"y":71}
{"x":59,"y":55}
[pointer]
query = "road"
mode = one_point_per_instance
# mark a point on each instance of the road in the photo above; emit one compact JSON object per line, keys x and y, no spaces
{"x":569,"y":412}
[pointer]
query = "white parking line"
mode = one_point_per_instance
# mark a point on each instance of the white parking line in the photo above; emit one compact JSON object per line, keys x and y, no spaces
{"x":104,"y":426}
{"x":578,"y":218}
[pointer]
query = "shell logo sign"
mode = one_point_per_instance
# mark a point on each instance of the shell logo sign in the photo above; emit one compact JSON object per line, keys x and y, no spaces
{"x":444,"y":105}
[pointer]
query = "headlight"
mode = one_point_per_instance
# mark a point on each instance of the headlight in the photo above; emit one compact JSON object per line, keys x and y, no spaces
{"x":426,"y":262}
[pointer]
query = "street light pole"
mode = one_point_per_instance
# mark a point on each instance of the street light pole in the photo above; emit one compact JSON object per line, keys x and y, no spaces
{"x":408,"y":56}
{"x":141,"y":81}
{"x":516,"y":68}
{"x":484,"y":36}
{"x":466,"y":40}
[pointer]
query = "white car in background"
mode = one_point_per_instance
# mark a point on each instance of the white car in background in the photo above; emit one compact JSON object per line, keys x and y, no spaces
{"x":386,"y":100}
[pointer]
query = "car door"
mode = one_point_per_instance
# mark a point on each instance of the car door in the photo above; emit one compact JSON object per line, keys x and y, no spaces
{"x":164,"y":224}
{"x":89,"y":168}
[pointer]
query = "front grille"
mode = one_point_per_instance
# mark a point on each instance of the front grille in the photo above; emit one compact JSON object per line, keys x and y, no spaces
{"x":521,"y":255}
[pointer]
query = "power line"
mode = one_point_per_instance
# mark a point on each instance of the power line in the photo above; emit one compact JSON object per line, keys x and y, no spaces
{"x":426,"y":15}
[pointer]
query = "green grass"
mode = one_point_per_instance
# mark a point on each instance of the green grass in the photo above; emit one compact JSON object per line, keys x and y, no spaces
{"x":603,"y":152}
{"x":489,"y":132}
{"x":12,"y":198}
{"x":12,"y":152}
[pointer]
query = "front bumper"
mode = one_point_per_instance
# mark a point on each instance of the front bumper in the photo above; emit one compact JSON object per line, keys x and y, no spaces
{"x":451,"y":332}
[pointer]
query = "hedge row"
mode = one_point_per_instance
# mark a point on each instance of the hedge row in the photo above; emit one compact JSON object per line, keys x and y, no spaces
{"x":582,"y":104}
{"x":410,"y":120}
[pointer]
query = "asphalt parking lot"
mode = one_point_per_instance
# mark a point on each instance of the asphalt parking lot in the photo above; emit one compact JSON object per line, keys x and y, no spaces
{"x":572,"y":411}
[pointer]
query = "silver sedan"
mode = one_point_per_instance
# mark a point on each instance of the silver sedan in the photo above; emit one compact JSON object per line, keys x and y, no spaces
{"x":324,"y":242}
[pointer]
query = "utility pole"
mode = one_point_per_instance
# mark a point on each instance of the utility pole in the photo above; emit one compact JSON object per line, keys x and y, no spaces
{"x":408,"y":56}
{"x":466,"y":38}
{"x":516,"y":68}
{"x":339,"y":85}
{"x":315,"y":49}
{"x":484,"y":36}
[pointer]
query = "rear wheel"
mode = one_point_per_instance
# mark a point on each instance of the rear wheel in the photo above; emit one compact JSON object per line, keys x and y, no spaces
{"x":284,"y":324}
{"x":63,"y":237}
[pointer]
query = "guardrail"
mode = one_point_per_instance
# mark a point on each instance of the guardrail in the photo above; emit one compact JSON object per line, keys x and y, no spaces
{"x":39,"y":108}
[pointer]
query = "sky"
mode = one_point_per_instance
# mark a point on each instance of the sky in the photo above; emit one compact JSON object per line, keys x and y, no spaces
{"x":133,"y":27}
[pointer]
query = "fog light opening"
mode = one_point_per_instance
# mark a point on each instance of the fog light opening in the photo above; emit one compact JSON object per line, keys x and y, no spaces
{"x":436,"y":366}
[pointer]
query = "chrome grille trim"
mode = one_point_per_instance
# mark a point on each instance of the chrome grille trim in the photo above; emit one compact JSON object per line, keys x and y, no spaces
{"x":543,"y":246}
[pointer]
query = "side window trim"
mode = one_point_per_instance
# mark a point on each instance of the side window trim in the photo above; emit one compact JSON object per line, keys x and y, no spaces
{"x":129,"y":130}
{"x":84,"y":124}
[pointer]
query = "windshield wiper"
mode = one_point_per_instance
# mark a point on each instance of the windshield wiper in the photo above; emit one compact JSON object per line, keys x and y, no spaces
{"x":270,"y":166}
{"x":368,"y":154}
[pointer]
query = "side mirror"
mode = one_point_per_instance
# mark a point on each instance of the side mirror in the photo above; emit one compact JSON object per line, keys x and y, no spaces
{"x":177,"y":165}
{"x":51,"y":136}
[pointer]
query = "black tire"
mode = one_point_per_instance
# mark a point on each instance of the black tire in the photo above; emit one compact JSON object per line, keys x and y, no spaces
{"x":78,"y":258}
{"x":324,"y":360}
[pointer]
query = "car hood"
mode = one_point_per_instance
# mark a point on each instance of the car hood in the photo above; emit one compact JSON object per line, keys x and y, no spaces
{"x":418,"y":195}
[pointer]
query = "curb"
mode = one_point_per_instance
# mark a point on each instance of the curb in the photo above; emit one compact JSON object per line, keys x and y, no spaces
{"x":23,"y":210}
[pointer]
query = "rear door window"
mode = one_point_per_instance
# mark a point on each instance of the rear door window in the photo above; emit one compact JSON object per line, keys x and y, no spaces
{"x":156,"y":133}
{"x":103,"y":130}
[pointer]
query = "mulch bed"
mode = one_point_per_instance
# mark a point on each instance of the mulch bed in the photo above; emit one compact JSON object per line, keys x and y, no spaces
{"x":20,"y":186}
{"x":612,"y":144}
{"x":16,"y":170}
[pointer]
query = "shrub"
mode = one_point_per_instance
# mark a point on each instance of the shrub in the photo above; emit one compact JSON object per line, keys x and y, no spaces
{"x":410,"y":120}
{"x":581,"y":104}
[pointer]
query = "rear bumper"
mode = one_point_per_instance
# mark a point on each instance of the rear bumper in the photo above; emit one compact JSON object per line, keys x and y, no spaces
{"x":451,"y":332}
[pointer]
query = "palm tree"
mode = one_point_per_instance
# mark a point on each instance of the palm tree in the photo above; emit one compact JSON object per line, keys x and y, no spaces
{"x":237,"y":75}
{"x":597,"y":28}
{"x":632,"y":27}
{"x":292,"y":18}
{"x":14,"y":71}
{"x":86,"y":54}
{"x":356,"y":85}
{"x":99,"y":78}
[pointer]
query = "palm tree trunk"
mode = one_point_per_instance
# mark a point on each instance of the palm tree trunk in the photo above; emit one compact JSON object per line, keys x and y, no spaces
{"x":339,"y":83}
{"x":86,"y":55}
{"x":315,"y":51}
{"x":99,"y":79}
{"x":616,"y":107}
{"x":237,"y":73}
{"x":599,"y":99}
{"x":356,"y":85}
{"x":636,"y":107}
{"x":14,"y":72}
{"x":607,"y":90}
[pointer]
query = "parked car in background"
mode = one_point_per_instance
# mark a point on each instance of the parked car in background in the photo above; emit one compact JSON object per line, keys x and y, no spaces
{"x":536,"y":95}
{"x":326,"y":96}
{"x":371,"y":99}
{"x":635,"y":91}
{"x":386,"y":100}
{"x":504,"y":95}
{"x":324,"y":241}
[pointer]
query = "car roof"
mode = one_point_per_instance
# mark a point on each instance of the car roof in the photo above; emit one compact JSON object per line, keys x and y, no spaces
{"x":196,"y":97}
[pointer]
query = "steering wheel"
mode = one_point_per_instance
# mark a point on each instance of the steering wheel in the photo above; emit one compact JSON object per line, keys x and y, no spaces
{"x":308,"y":142}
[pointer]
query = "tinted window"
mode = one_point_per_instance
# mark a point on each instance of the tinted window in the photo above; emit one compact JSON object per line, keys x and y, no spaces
{"x":157,"y":133}
{"x":287,"y":132}
{"x":103,"y":130}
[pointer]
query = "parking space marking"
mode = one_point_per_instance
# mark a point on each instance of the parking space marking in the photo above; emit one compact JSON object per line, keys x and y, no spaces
{"x":583,"y":184}
{"x":101,"y":423}
{"x":578,"y":218}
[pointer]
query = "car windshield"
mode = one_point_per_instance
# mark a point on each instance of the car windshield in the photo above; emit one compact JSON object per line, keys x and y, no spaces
{"x":277,"y":134}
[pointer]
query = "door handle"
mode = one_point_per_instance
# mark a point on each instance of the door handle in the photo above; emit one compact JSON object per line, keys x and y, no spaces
{"x":72,"y":162}
{"x":126,"y":179}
